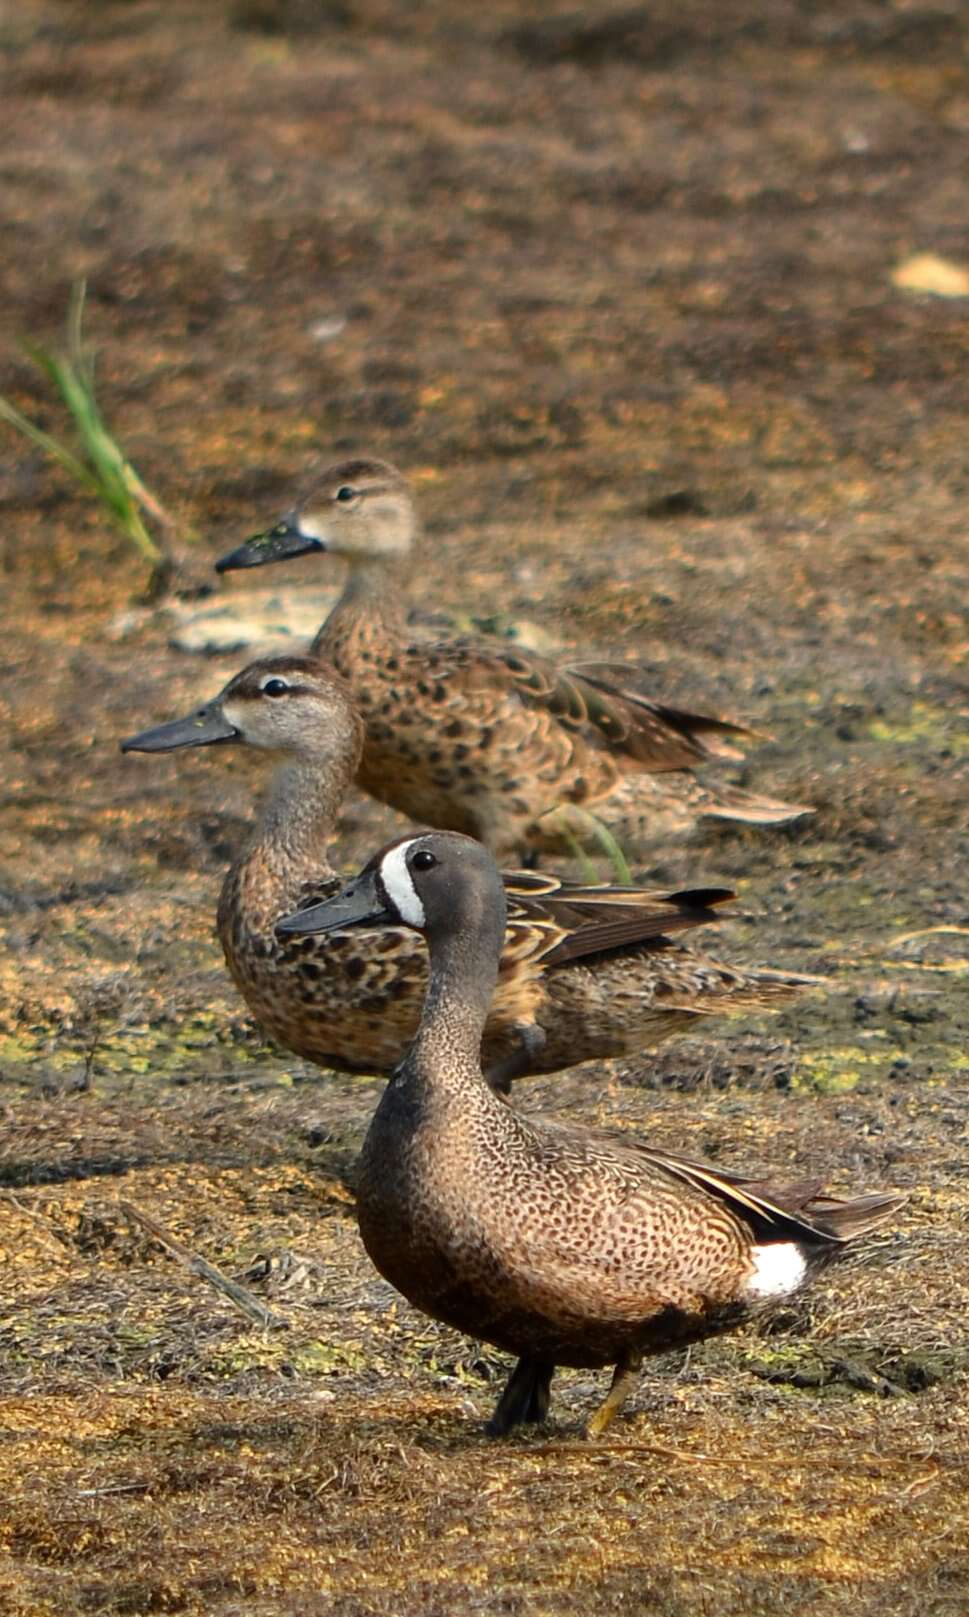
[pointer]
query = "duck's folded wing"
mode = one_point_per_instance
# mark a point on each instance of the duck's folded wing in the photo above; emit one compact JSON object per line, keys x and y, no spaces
{"x":655,"y":736}
{"x":578,"y":921}
{"x":618,"y":681}
{"x":796,"y":1212}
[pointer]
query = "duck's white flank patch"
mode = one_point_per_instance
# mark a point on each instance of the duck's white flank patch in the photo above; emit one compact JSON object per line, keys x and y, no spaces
{"x":778,"y":1269}
{"x":400,"y":888}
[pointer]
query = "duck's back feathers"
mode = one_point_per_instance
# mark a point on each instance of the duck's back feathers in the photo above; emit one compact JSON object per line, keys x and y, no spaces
{"x":587,"y":703}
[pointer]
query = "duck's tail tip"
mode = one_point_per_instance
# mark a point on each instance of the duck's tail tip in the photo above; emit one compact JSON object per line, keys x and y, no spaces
{"x":733,"y":803}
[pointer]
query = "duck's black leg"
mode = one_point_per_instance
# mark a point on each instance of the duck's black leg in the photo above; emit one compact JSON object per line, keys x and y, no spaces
{"x":541,"y":1394}
{"x":624,"y":1378}
{"x":525,"y":1397}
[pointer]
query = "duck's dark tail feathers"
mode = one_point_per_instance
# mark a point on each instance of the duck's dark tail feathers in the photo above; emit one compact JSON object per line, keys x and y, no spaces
{"x":845,"y":1220}
{"x":705,"y":735}
{"x":836,"y":1218}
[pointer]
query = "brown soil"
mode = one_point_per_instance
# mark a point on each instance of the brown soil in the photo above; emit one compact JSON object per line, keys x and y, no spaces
{"x":615,"y":286}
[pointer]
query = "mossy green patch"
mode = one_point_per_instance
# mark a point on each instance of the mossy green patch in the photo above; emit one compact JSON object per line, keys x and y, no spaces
{"x":936,"y":728}
{"x":205,"y":1043}
{"x":278,"y":1352}
{"x":833,"y":1071}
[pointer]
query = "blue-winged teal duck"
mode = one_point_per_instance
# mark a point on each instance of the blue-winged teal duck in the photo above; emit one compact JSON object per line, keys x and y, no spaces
{"x":557,"y":1244}
{"x":586,"y":971}
{"x":492,"y":740}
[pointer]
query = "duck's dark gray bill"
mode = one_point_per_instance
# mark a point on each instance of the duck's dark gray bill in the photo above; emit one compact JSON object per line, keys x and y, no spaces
{"x":358,"y":904}
{"x":201,"y":729}
{"x":278,"y":544}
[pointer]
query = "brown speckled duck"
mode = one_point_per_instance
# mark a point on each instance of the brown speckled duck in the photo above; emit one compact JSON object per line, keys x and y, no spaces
{"x":491,"y":740}
{"x":557,"y":1244}
{"x":586,"y":972}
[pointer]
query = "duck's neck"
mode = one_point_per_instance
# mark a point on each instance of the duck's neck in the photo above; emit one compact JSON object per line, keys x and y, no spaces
{"x":301,"y":808}
{"x":289,"y":844}
{"x":444,"y":1061}
{"x":372,"y":608}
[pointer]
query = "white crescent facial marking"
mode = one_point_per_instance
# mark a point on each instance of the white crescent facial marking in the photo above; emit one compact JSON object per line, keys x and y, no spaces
{"x":399,"y":886}
{"x":778,"y":1269}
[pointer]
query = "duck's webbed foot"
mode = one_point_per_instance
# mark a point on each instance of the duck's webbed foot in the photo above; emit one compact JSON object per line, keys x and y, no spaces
{"x":525,"y":1398}
{"x":531,"y":1042}
{"x":624,"y":1379}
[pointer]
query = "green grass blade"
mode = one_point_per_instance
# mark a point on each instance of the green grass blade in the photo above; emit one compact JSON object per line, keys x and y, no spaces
{"x":576,"y":850}
{"x":612,"y":851}
{"x":603,"y":836}
{"x":50,"y":445}
{"x":110,"y":474}
{"x":80,"y":358}
{"x":101,"y":467}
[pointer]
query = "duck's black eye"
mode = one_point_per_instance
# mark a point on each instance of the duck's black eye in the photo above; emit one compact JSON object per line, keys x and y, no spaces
{"x":346,"y":493}
{"x":275,"y":687}
{"x":423,"y":860}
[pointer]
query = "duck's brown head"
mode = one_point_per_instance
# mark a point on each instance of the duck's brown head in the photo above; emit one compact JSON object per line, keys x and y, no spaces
{"x":293,"y":705}
{"x":361,"y":509}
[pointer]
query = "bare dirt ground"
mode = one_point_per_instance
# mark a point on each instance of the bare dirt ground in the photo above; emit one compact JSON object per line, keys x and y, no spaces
{"x":616,"y":288}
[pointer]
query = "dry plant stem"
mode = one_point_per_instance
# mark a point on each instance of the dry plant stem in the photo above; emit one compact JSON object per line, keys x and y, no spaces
{"x":237,"y":1294}
{"x":117,"y":1487}
{"x":936,"y":1463}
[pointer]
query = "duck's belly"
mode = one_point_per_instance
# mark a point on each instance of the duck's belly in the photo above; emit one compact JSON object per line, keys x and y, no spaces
{"x":640,"y":810}
{"x":349,"y":1000}
{"x":329,"y":1017}
{"x":550,"y":1327}
{"x":571,"y":1284}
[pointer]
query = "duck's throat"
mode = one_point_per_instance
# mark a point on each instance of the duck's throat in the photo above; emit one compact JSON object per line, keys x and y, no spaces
{"x":446,"y":1054}
{"x":289,"y":846}
{"x":370,"y":614}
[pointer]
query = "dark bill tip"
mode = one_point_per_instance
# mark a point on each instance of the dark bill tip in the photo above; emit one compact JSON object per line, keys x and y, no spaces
{"x":202,"y":729}
{"x":279,"y":544}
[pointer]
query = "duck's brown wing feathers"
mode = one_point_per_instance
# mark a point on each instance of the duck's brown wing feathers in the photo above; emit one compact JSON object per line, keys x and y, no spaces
{"x":576,"y":921}
{"x":656,"y":737}
{"x":618,"y":683}
{"x":800,"y":1212}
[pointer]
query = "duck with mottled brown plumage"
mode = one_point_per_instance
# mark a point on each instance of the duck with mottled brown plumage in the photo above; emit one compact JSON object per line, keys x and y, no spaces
{"x":587,"y":971}
{"x":490,"y":740}
{"x":558,"y":1244}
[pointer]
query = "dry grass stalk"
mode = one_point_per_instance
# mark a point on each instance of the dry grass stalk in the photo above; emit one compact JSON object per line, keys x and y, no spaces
{"x":243,"y":1299}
